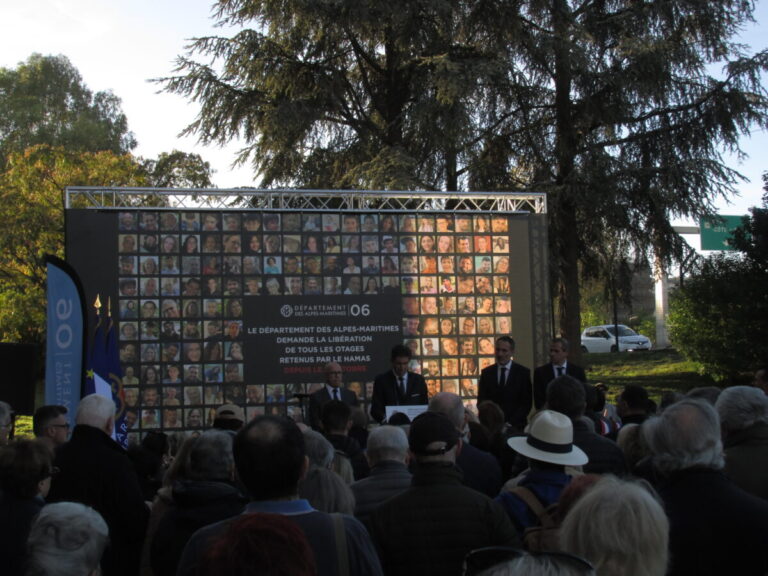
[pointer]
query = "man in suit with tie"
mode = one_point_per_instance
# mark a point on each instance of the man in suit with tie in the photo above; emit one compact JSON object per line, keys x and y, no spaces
{"x":398,"y":386}
{"x":508,"y":384}
{"x":331,"y":391}
{"x":558,"y":366}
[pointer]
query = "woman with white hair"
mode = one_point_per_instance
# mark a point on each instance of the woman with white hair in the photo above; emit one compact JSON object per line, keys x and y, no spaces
{"x":620,"y":527}
{"x":67,"y":539}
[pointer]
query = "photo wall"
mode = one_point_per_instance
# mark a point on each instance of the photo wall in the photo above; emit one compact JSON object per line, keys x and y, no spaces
{"x":245,"y":307}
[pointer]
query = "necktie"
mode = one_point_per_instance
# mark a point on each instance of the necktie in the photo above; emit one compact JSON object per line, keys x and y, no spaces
{"x":559,"y":371}
{"x":336,"y":394}
{"x":503,"y":377}
{"x":402,"y":386}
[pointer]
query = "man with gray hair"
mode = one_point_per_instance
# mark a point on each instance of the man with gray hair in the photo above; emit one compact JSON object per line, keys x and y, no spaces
{"x":387,"y":456}
{"x":67,"y":538}
{"x":713,"y":522}
{"x":481,"y":469}
{"x":96,"y":471}
{"x":206,"y":495}
{"x":743,"y":412}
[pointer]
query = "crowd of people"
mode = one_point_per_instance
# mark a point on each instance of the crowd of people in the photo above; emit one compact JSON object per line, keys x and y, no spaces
{"x":547,"y":478}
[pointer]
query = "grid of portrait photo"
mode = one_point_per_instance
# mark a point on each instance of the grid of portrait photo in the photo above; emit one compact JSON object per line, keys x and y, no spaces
{"x":183,"y":277}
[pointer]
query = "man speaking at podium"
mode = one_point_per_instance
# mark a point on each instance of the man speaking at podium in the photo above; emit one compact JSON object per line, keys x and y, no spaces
{"x":398,"y":386}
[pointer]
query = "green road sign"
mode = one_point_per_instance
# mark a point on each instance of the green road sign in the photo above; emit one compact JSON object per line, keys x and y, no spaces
{"x":717,"y":231}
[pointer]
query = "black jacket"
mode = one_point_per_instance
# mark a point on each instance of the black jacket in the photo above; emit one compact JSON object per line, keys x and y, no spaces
{"x":351,"y":449}
{"x":715,"y":527}
{"x":387,"y":479}
{"x":96,"y":471}
{"x":429,"y":528}
{"x":605,"y":456}
{"x":543,"y":375}
{"x":195,"y":504}
{"x":481,"y":471}
{"x":16,"y":517}
{"x":515,"y":397}
{"x":320,"y":398}
{"x":386,"y":393}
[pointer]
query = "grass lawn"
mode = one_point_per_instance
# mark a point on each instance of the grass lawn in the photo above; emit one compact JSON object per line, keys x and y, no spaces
{"x":658,"y":371}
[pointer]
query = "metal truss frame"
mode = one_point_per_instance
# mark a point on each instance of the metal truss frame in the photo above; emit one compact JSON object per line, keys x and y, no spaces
{"x":293,"y":199}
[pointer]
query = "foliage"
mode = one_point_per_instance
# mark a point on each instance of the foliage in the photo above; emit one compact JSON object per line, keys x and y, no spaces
{"x":54,"y":133}
{"x":178,"y":170}
{"x":34,"y":181}
{"x":44,"y":101}
{"x":718,"y":318}
{"x":607,"y":106}
{"x":658,"y":371}
{"x":364,"y":94}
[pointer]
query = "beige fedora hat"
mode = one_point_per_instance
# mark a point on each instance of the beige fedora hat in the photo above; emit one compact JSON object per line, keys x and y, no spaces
{"x":550,"y":439}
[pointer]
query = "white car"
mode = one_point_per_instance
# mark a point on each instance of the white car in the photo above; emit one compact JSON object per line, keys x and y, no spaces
{"x":603,"y":339}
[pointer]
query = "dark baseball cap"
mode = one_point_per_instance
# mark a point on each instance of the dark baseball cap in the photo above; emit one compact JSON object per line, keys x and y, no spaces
{"x":431,"y":427}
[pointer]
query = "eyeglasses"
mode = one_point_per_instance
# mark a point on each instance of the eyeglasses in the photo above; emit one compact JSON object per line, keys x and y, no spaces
{"x":60,"y":425}
{"x":481,"y":559}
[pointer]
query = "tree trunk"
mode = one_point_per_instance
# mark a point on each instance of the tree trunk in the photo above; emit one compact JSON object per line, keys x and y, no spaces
{"x":563,"y":216}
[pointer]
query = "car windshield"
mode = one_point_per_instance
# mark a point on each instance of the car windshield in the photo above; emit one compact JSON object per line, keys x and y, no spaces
{"x":623,"y":331}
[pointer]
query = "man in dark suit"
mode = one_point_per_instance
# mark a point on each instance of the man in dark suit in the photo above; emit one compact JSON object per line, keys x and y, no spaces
{"x":331,"y":391}
{"x":96,"y":471}
{"x":508,"y":384}
{"x":398,"y":386}
{"x":558,"y":366}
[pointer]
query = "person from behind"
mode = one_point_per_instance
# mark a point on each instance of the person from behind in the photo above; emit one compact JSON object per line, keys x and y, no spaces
{"x":26,"y":467}
{"x":549,"y":448}
{"x":50,"y":425}
{"x":327,"y":491}
{"x":336,"y":421}
{"x":712,"y":521}
{"x":270,"y":460}
{"x":633,"y":405}
{"x":229,"y":417}
{"x":480,"y":470}
{"x":320,"y":452}
{"x":566,"y":395}
{"x":270,"y":542}
{"x":620,"y":527}
{"x":206,"y":495}
{"x":743,"y":412}
{"x":67,"y":539}
{"x":388,"y":457}
{"x":95,"y":470}
{"x":504,"y":561}
{"x":429,"y":528}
